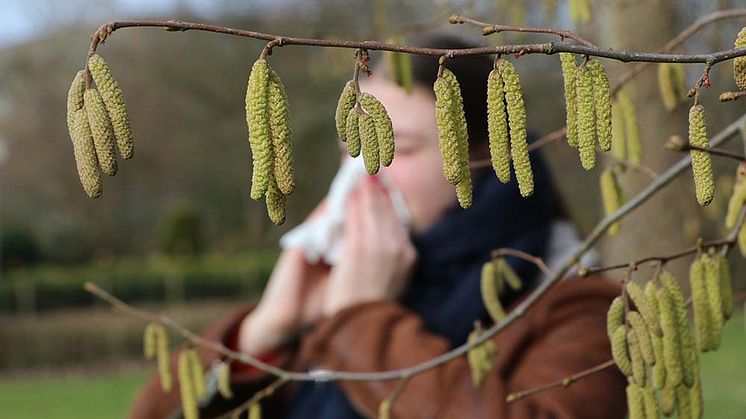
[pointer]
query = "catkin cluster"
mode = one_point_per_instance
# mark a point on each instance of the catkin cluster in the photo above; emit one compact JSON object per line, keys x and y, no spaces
{"x":452,"y":135}
{"x":191,"y":382}
{"x":98,"y":123}
{"x":712,"y":298}
{"x":155,"y":345}
{"x":671,"y":84}
{"x":626,"y":143}
{"x":704,"y":182}
{"x":739,"y":64}
{"x":481,"y":358}
{"x":589,"y":110}
{"x":611,"y":195}
{"x":363,"y":122}
{"x":654,"y":347}
{"x":496,"y":274}
{"x":270,"y":138}
{"x":506,"y":123}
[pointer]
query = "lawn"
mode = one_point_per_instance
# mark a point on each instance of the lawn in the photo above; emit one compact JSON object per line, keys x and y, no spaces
{"x":108,"y":396}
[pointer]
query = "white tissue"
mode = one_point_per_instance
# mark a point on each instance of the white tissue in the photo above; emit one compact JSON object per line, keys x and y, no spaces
{"x":322,"y":238}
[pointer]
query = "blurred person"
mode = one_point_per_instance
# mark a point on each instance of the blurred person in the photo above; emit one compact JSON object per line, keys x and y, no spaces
{"x":399,"y":296}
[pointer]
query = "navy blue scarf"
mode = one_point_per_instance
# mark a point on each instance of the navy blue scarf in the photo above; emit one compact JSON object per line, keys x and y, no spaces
{"x":444,"y":289}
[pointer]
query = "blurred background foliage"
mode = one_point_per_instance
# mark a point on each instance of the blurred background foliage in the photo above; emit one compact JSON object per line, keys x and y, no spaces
{"x":176,"y":227}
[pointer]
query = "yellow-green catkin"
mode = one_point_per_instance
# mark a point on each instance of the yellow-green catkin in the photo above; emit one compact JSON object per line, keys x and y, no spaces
{"x":186,"y":386}
{"x":651,"y":403}
{"x":739,"y":63}
{"x":602,"y":104}
{"x":457,"y":109}
{"x":659,"y":369}
{"x":115,"y":106}
{"x":448,"y":134}
{"x":352,"y":133}
{"x":276,"y":203}
{"x":475,"y":357}
{"x":369,"y":141}
{"x":164,"y":359}
{"x":620,"y":350}
{"x":497,"y":127}
{"x":75,"y":100}
{"x":714,"y":297}
{"x":686,"y":343}
{"x":517,"y":124}
{"x":614,"y":316}
{"x":611,"y":195}
{"x":198,"y":374}
{"x":702,"y":318}
{"x":742,"y":240}
{"x":737,"y":198}
{"x":695,"y":399}
{"x":639,"y":372}
{"x":84,"y":151}
{"x":644,"y":307}
{"x":255,"y":411}
{"x":672,"y":350}
{"x":224,"y":380}
{"x":683,"y":402}
{"x":148,"y":341}
{"x":631,"y":128}
{"x":704,"y":182}
{"x":281,"y":134}
{"x":103,"y":136}
{"x":259,"y":132}
{"x":668,"y":400}
{"x":618,"y":138}
{"x":726,"y":285}
{"x":635,"y":402}
{"x":384,"y":128}
{"x":507,"y":274}
{"x":580,"y":11}
{"x":643,"y":337}
{"x":671,"y":84}
{"x":400,"y":65}
{"x":490,"y":289}
{"x":569,"y":70}
{"x":586,"y":117}
{"x":464,"y":192}
{"x":384,"y":409}
{"x":344,"y":106}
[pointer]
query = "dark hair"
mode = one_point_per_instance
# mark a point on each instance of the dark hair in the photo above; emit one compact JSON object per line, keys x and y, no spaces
{"x":472,"y":73}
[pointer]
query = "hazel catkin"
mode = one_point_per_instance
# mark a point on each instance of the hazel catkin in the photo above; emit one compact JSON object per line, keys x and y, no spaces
{"x":702,"y":317}
{"x":614,"y":316}
{"x":517,"y":123}
{"x":659,"y":369}
{"x":633,"y":142}
{"x":224,"y":380}
{"x":186,"y":386}
{"x":651,"y":403}
{"x":276,"y":203}
{"x":75,"y":99}
{"x":714,"y":296}
{"x":586,"y":117}
{"x":639,"y":372}
{"x":257,"y":119}
{"x":84,"y":151}
{"x":113,"y":98}
{"x":281,"y":134}
{"x":352,"y":133}
{"x":103,"y":136}
{"x":148,"y":341}
{"x":635,"y":402}
{"x":497,"y":127}
{"x":384,"y":128}
{"x":611,"y":195}
{"x":644,"y":307}
{"x":726,"y":285}
{"x":163,"y":358}
{"x":369,"y":142}
{"x":601,"y":104}
{"x":739,"y":63}
{"x":620,"y":351}
{"x":344,"y":105}
{"x":685,"y":342}
{"x":618,"y":137}
{"x":569,"y":71}
{"x":198,"y":375}
{"x":704,"y":182}
{"x":452,"y":136}
{"x":671,"y":84}
{"x":506,"y":273}
{"x":737,"y":198}
{"x":637,"y":325}
{"x":672,"y":350}
{"x":490,"y":290}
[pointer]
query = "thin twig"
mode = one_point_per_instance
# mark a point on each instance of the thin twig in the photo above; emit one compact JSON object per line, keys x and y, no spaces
{"x":505,"y":251}
{"x":259,"y":395}
{"x":641,"y":168}
{"x":489,"y":29}
{"x":519,"y":311}
{"x":564,"y":382}
{"x":684,"y":147}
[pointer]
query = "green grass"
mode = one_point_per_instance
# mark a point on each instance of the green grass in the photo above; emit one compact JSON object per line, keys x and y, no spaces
{"x":109,"y":395}
{"x":71,"y":397}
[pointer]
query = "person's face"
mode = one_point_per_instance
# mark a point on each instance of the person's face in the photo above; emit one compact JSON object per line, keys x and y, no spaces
{"x":417,"y":168}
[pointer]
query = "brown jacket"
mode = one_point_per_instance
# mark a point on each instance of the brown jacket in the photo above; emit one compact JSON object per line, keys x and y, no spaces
{"x":564,"y":333}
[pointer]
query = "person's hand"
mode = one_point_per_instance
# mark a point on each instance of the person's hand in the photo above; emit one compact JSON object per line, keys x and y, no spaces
{"x":378,"y":256}
{"x":292,"y":301}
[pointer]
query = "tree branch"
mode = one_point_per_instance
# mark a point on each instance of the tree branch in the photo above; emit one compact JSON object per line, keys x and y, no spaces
{"x":565,"y":382}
